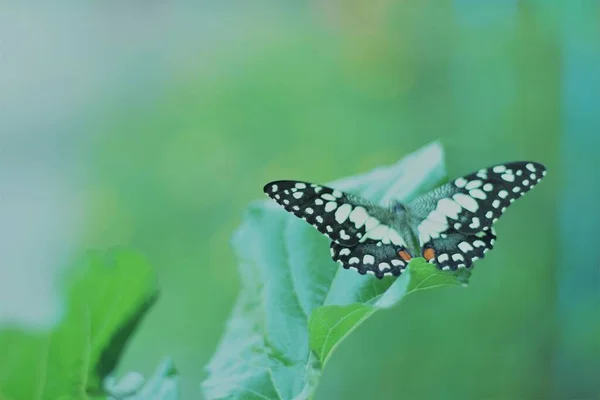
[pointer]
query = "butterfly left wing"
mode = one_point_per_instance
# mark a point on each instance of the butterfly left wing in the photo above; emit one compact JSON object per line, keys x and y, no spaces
{"x":363,"y":234}
{"x":344,"y":218}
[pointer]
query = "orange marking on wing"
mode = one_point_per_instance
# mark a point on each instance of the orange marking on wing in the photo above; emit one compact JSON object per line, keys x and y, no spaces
{"x":405,"y":255}
{"x":429,"y":253}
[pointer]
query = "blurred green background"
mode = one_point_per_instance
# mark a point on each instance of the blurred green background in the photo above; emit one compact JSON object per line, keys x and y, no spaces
{"x":154,"y":124}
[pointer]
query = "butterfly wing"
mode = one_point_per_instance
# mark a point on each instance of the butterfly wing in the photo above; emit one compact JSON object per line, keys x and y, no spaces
{"x":344,"y":218}
{"x":474,"y":202}
{"x":362,"y":233}
{"x":372,"y":257}
{"x":453,"y":222}
{"x":453,"y":250}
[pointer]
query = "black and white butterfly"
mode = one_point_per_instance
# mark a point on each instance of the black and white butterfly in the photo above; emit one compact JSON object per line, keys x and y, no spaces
{"x":451,"y":226}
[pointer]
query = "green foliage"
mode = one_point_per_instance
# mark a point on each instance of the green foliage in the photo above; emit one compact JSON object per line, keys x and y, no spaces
{"x":329,"y":324}
{"x":106,"y":296}
{"x":163,"y":385}
{"x":296,"y":304}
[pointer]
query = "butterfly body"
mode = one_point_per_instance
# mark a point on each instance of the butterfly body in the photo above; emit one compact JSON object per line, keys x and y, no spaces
{"x":451,"y":226}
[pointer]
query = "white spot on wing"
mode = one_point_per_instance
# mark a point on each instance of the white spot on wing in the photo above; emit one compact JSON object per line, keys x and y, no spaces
{"x":353,"y":260}
{"x":274,"y":188}
{"x":448,"y":208}
{"x":473,"y":184}
{"x":499,"y":169}
{"x":368,"y":259}
{"x":345,"y":251}
{"x":318,"y":202}
{"x":437,"y":217}
{"x":478,"y":194}
{"x":329,"y":207}
{"x":496,"y":203}
{"x":488,"y":187}
{"x":530,"y":167}
{"x":464,"y":246}
{"x":508,"y":177}
{"x":371,"y":223}
{"x":475,"y":223}
{"x":430,"y":229}
{"x":328,"y":197}
{"x":300,"y":185}
{"x":443,"y":257}
{"x":383,"y":266}
{"x":309,"y":210}
{"x":377,"y":233}
{"x":298,"y":194}
{"x":359,"y":216}
{"x":466,"y":201}
{"x":395,"y":238}
{"x":460,"y":182}
{"x":342,"y":213}
{"x":502,"y":194}
{"x":457,"y":257}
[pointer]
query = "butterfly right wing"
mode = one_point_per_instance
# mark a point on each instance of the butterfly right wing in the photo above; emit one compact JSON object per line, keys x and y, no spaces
{"x":454,"y":222}
{"x":454,"y":250}
{"x":472,"y":203}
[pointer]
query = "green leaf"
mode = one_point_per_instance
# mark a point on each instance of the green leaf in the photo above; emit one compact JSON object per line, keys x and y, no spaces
{"x":296,"y":304}
{"x":163,"y":385}
{"x":330,"y":324}
{"x":106,"y":296}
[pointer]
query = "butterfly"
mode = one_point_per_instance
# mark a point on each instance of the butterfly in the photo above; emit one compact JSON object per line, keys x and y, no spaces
{"x":450,"y":226}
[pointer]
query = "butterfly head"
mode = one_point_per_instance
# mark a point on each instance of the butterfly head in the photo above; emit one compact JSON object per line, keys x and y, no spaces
{"x":397,"y":207}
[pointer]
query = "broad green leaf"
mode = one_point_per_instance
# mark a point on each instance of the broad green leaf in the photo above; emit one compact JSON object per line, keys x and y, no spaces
{"x":296,"y":304}
{"x":106,"y":295}
{"x":329,"y":324}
